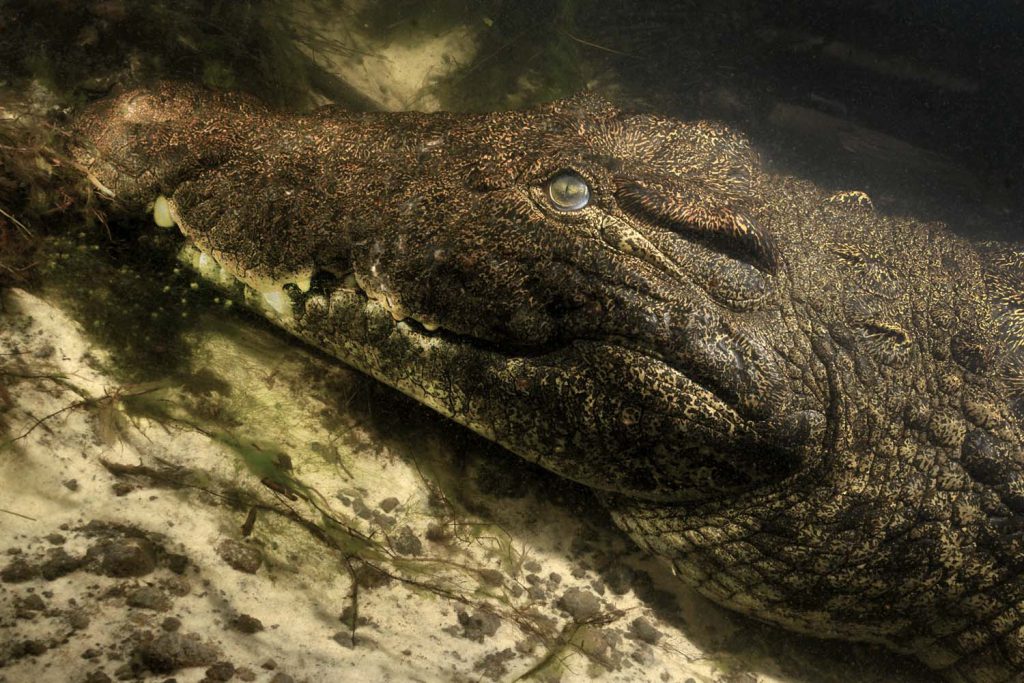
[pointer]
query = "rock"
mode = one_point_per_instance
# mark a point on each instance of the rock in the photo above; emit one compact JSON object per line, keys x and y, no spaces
{"x":176,"y":585}
{"x":32,"y":603}
{"x":123,"y":557}
{"x":171,"y":651}
{"x":368,"y":576}
{"x":30,"y":648}
{"x":388,"y":504}
{"x":282,"y":678}
{"x":593,"y":642}
{"x":437,"y":533}
{"x":78,"y":620}
{"x":177,"y":563}
{"x":149,"y":597}
{"x":346,"y":617}
{"x":127,"y":672}
{"x":582,"y":605}
{"x":643,"y":655}
{"x":241,"y":556}
{"x":493,"y":666}
{"x":246,"y":624}
{"x":170,"y":624}
{"x":361,"y":510}
{"x":491,"y":577}
{"x":18,"y":570}
{"x":643,"y":630}
{"x":481,"y":624}
{"x":59,"y":563}
{"x":221,"y":671}
{"x":383,"y":521}
{"x":406,"y":542}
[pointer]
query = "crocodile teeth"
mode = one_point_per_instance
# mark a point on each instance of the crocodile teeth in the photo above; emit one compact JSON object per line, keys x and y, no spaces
{"x":163,"y":214}
{"x":272,"y":297}
{"x":208,"y":268}
{"x":277,"y":301}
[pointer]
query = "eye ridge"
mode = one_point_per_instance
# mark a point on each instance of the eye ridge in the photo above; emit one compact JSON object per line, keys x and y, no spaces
{"x":568,"y":191}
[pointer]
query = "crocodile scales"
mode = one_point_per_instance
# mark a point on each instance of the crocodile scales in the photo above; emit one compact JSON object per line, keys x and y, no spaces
{"x":808,"y":408}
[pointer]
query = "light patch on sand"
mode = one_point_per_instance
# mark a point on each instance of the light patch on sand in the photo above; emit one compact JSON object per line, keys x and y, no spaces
{"x":394,"y":75}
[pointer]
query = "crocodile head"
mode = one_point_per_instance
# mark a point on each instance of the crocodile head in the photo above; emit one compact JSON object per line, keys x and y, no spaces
{"x":585,"y":287}
{"x":800,"y":403}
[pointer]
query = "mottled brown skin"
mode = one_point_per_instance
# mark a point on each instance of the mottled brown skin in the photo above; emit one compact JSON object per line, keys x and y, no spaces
{"x":806,"y":407}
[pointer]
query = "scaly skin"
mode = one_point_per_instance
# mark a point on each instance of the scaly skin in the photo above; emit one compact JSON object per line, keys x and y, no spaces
{"x":806,"y":407}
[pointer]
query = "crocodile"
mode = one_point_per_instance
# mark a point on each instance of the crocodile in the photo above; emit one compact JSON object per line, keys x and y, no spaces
{"x":810,"y":409}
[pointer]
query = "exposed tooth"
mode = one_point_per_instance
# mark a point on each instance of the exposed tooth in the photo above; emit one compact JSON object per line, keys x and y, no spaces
{"x":278,"y":302}
{"x":226,"y":278}
{"x":431,"y":327}
{"x":303,"y":282}
{"x":162,"y":213}
{"x":251,"y":296}
{"x":208,"y":267}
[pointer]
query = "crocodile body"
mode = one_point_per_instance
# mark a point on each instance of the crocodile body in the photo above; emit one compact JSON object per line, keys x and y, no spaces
{"x":806,"y":407}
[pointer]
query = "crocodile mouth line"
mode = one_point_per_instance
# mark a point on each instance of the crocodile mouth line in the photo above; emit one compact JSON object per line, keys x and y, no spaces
{"x":283,"y":300}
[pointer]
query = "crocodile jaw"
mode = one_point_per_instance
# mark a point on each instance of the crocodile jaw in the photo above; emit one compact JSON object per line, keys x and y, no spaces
{"x":445,"y":372}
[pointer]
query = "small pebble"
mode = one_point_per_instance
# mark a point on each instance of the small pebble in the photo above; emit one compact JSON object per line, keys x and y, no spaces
{"x":246,"y":624}
{"x":221,"y":671}
{"x":582,"y":605}
{"x":241,"y":556}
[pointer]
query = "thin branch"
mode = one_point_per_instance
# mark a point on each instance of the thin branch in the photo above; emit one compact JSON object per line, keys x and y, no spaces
{"x":18,"y":514}
{"x":24,"y":228}
{"x":596,"y":46}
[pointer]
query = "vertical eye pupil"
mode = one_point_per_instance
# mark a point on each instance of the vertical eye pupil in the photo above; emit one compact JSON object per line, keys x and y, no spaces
{"x":568,"y":191}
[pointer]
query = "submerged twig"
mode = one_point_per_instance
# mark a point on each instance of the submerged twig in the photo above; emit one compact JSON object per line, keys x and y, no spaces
{"x":18,"y":514}
{"x":24,"y":228}
{"x":596,"y":46}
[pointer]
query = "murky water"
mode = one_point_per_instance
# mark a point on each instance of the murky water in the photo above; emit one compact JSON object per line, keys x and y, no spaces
{"x":917,"y":108}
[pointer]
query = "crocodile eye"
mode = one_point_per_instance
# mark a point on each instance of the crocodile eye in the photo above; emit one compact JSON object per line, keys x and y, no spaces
{"x":568,"y":191}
